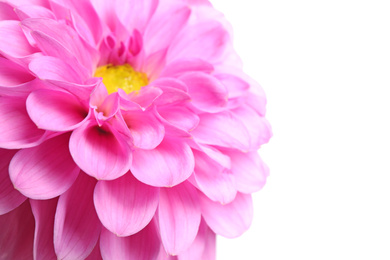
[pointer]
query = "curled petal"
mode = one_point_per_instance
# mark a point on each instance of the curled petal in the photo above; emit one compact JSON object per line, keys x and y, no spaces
{"x":167,"y":165}
{"x":76,"y":226}
{"x":179,"y":217}
{"x":100,"y":152}
{"x":125,"y":205}
{"x":12,"y":74}
{"x":45,"y":171}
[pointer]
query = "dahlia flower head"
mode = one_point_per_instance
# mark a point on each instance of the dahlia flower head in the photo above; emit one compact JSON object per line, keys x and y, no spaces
{"x":128,"y":130}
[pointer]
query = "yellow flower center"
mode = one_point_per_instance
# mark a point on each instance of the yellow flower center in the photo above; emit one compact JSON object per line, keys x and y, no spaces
{"x":121,"y":77}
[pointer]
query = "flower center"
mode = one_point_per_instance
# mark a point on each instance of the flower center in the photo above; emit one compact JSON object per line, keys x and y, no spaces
{"x":121,"y":77}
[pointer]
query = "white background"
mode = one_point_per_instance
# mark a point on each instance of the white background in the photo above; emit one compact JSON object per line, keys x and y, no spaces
{"x":325,"y":67}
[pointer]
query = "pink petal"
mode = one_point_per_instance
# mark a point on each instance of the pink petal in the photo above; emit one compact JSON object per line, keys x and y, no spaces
{"x":17,"y":233}
{"x":45,"y":171}
{"x":206,"y":41}
{"x":143,"y":245}
{"x":12,"y":74}
{"x":145,"y":97}
{"x":249,"y":170}
{"x":180,"y":116}
{"x":33,"y":11}
{"x":164,"y":26}
{"x":7,"y":12}
{"x":213,"y":180}
{"x":44,"y":212}
{"x":207,"y":93}
{"x":125,"y":205}
{"x":230,"y":220}
{"x":222,"y":129}
{"x":216,"y":155}
{"x":167,"y":165}
{"x":55,"y":110}
{"x":12,"y":40}
{"x":203,"y":246}
{"x":179,"y":67}
{"x":147,"y":131}
{"x":174,"y":92}
{"x":10,"y":198}
{"x":100,"y":152}
{"x":179,"y":217}
{"x":76,"y":226}
{"x":236,"y":86}
{"x":17,"y":130}
{"x":95,"y":254}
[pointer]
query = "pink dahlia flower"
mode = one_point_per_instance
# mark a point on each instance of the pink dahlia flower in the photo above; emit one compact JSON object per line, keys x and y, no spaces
{"x":127,"y":130}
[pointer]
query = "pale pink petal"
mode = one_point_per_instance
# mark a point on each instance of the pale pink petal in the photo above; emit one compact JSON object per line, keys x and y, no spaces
{"x":82,"y":91}
{"x":179,"y":217}
{"x":100,"y":152}
{"x":230,"y":220}
{"x":174,"y":92}
{"x":44,"y":212}
{"x":12,"y":40}
{"x":125,"y":205}
{"x":236,"y":86}
{"x":7,"y":12}
{"x":10,"y":198}
{"x":98,"y":96}
{"x":12,"y":74}
{"x":206,"y":41}
{"x":164,"y":26}
{"x":167,"y":165}
{"x":206,"y":92}
{"x":44,"y":171}
{"x":180,"y":116}
{"x":145,"y":97}
{"x":110,"y":106}
{"x":249,"y":170}
{"x":147,"y":131}
{"x":55,"y":110}
{"x":76,"y":226}
{"x":17,"y":233}
{"x":16,"y":128}
{"x":215,"y":154}
{"x":144,"y":245}
{"x":203,"y":246}
{"x":33,"y":11}
{"x":167,"y":82}
{"x":213,"y":180}
{"x":222,"y":129}
{"x":179,"y":67}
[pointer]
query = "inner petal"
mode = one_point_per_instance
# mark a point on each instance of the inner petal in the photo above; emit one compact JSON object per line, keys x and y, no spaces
{"x":121,"y":77}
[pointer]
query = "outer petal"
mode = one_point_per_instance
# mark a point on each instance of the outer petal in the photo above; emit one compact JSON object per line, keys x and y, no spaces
{"x":180,"y":117}
{"x":125,"y":205}
{"x":55,"y":110}
{"x":17,"y":233}
{"x":16,"y":128}
{"x":229,"y":220}
{"x":10,"y":198}
{"x":179,"y":67}
{"x":76,"y":226}
{"x":44,"y":212}
{"x":167,"y":165}
{"x":235,"y":85}
{"x":207,"y":93}
{"x":179,"y":217}
{"x":12,"y":74}
{"x":99,"y":152}
{"x":144,"y":245}
{"x":45,"y":171}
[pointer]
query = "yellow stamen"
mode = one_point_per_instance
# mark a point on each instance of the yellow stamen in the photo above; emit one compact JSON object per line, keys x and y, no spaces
{"x":121,"y":77}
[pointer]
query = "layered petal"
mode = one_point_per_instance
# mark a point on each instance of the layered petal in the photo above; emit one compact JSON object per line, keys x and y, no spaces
{"x":10,"y":198}
{"x":180,"y":116}
{"x":76,"y":226}
{"x":45,"y":171}
{"x":12,"y":74}
{"x":100,"y":152}
{"x":125,"y":205}
{"x":167,"y":165}
{"x":179,"y":217}
{"x":230,"y":220}
{"x":181,"y":66}
{"x":143,"y":245}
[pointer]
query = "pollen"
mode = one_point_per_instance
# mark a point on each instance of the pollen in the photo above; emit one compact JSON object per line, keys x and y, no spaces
{"x":121,"y":77}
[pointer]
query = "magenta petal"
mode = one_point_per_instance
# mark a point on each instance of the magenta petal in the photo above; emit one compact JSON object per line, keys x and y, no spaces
{"x":76,"y":226}
{"x":45,"y":171}
{"x":147,"y":131}
{"x":12,"y":74}
{"x":125,"y":205}
{"x":167,"y":165}
{"x":17,"y":233}
{"x":44,"y":212}
{"x":10,"y":198}
{"x":144,"y":245}
{"x":95,"y":254}
{"x":179,"y":217}
{"x":55,"y":110}
{"x":230,"y":220}
{"x":99,"y":152}
{"x":213,"y":180}
{"x":16,"y":128}
{"x":206,"y":92}
{"x":179,"y":67}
